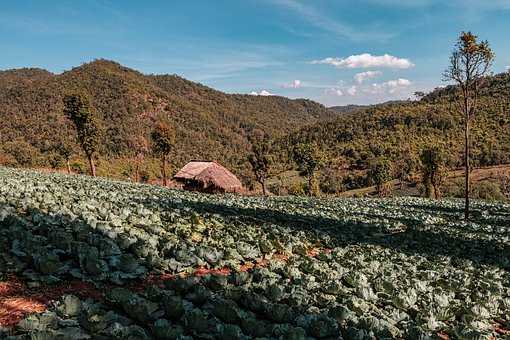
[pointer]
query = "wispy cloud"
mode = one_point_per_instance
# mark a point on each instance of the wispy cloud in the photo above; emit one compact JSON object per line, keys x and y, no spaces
{"x":66,"y":20}
{"x":326,"y":23}
{"x":216,"y":61}
{"x":366,"y":60}
{"x":476,"y":4}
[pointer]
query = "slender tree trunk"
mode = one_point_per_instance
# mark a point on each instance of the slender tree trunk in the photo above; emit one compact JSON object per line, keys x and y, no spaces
{"x":92,"y":166}
{"x":467,"y":167}
{"x":310,"y":181}
{"x":165,"y":182}
{"x":137,"y":173}
{"x":263,"y":183}
{"x":434,"y":185}
{"x":68,"y":166}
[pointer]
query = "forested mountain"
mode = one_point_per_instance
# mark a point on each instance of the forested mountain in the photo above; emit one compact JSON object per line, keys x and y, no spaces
{"x":214,"y":125}
{"x":399,"y":131}
{"x":210,"y":124}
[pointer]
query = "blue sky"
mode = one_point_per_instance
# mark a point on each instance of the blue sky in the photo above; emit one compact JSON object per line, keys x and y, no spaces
{"x":335,"y":52}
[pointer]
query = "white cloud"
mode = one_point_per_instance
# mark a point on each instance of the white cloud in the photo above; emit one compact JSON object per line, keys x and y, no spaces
{"x":398,"y":82}
{"x":361,"y":77}
{"x":352,"y":90}
{"x":342,"y":91}
{"x":366,"y":60}
{"x":293,"y":85}
{"x":335,"y":91}
{"x":261,"y":93}
{"x":391,"y":86}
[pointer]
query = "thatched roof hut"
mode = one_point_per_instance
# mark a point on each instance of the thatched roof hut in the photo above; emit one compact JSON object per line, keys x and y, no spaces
{"x":208,"y":177}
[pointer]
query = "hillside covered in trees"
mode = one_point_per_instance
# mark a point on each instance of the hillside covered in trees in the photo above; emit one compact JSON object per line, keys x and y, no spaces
{"x":396,"y":133}
{"x":209,"y":124}
{"x":213,"y":125}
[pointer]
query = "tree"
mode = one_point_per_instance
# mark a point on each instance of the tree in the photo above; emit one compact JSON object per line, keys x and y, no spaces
{"x":419,"y":94}
{"x":405,"y":166}
{"x":140,"y":147}
{"x":470,"y":63}
{"x":78,"y":110}
{"x":64,"y":150}
{"x":24,"y":153}
{"x":379,"y":174}
{"x":260,"y":157}
{"x":434,"y":170}
{"x":163,"y":139}
{"x":309,"y":158}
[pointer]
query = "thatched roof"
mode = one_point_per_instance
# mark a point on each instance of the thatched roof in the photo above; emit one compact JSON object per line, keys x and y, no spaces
{"x":210,"y":174}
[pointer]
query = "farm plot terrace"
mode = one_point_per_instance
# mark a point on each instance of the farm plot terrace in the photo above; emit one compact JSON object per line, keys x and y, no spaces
{"x":153,"y":263}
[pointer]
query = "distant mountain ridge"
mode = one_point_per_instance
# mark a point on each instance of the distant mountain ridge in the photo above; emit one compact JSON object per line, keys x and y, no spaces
{"x":354,"y":107}
{"x":210,"y":124}
{"x":348,"y":108}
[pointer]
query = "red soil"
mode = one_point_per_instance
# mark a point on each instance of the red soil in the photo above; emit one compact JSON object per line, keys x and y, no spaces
{"x":17,"y":300}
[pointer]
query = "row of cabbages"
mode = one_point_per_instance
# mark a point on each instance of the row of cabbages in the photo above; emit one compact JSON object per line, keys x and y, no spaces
{"x":354,"y":268}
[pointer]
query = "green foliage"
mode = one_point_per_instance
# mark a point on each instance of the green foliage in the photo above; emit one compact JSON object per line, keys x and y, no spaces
{"x":163,"y":140}
{"x":487,"y":190}
{"x":78,"y":167}
{"x":22,"y":153}
{"x":379,"y":174}
{"x":398,"y":131}
{"x":260,"y":157}
{"x":309,"y":159}
{"x":209,"y":124}
{"x":331,"y":182}
{"x":296,"y":188}
{"x":78,"y":110}
{"x":434,"y":169}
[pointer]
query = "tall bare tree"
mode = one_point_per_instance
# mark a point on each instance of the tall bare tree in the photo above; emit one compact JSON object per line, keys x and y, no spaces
{"x":470,"y":63}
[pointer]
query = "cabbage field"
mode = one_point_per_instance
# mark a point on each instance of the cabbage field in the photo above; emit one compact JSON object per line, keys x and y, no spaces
{"x":153,"y":263}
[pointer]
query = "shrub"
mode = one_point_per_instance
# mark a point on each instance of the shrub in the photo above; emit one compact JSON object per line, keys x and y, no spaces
{"x":434,"y":170}
{"x":331,"y":182}
{"x":355,"y":181}
{"x":24,"y":154}
{"x":296,"y":188}
{"x":504,"y":184}
{"x":77,"y":166}
{"x":7,"y":159}
{"x":487,"y":190}
{"x":484,"y":190}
